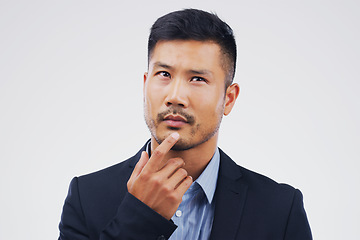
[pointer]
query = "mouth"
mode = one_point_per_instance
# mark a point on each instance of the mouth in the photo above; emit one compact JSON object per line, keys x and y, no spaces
{"x":175,"y":121}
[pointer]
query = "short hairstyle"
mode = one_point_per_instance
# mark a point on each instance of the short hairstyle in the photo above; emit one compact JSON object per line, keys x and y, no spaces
{"x":194,"y":24}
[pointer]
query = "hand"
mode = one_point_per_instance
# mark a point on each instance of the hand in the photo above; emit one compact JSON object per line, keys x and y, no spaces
{"x":160,"y":183}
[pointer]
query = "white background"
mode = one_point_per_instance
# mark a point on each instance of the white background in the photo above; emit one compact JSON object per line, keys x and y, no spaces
{"x":71,"y":101}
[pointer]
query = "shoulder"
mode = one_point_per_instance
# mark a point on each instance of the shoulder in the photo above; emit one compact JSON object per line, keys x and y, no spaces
{"x":256,"y":183}
{"x":269,"y":207}
{"x":256,"y":179}
{"x":266,"y":189}
{"x":110,"y":178}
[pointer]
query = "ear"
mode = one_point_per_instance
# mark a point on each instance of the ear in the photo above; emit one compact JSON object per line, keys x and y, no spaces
{"x":145,"y":78}
{"x":232,"y":92}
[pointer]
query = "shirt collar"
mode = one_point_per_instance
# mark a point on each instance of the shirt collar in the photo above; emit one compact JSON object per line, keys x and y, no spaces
{"x":208,"y":178}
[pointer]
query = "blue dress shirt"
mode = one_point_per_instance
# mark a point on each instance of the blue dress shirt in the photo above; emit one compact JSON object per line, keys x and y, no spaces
{"x":194,"y":216}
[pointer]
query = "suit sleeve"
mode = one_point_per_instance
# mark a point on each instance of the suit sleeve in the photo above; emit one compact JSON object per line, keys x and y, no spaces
{"x":298,"y":227}
{"x":133,"y":220}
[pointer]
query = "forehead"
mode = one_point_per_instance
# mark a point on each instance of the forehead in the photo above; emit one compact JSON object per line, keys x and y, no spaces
{"x":187,"y":54}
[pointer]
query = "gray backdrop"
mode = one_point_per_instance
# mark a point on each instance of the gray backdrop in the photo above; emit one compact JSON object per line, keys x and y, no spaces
{"x":71,"y":77}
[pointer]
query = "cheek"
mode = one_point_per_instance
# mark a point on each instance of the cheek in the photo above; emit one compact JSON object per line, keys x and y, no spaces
{"x":152,"y":100}
{"x":209,"y":104}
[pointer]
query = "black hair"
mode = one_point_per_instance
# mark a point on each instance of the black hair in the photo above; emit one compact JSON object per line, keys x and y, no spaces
{"x":194,"y":24}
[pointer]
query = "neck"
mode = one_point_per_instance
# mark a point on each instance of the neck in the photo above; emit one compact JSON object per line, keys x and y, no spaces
{"x":196,"y":159}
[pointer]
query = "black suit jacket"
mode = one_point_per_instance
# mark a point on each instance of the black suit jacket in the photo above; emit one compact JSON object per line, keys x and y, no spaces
{"x":249,"y":206}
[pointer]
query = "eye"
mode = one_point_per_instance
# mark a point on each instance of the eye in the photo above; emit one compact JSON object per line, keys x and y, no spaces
{"x":164,"y":74}
{"x":198,"y":79}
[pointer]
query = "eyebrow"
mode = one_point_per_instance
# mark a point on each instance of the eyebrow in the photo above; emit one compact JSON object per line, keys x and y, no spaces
{"x":192,"y":71}
{"x":162,"y":65}
{"x":200,"y":72}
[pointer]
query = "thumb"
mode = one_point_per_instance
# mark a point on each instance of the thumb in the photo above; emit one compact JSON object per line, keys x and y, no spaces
{"x":144,"y":158}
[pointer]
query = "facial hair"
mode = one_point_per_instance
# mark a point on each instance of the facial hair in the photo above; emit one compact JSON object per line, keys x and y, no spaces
{"x":182,"y":144}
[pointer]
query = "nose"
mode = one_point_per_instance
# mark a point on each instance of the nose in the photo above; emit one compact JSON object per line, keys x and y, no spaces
{"x":177,"y":95}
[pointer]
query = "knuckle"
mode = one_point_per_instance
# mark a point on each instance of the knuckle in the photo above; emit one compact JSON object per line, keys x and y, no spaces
{"x":157,"y":153}
{"x":177,"y":161}
{"x":167,"y":189}
{"x":169,"y":140}
{"x":174,"y":197}
{"x":144,"y":176}
{"x":173,"y":161}
{"x":157,"y":181}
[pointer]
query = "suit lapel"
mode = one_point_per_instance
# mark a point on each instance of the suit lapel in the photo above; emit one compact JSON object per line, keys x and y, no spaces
{"x":230,"y":198}
{"x":133,"y":161}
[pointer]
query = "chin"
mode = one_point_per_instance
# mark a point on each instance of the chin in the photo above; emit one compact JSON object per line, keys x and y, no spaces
{"x":182,"y":146}
{"x":187,"y":140}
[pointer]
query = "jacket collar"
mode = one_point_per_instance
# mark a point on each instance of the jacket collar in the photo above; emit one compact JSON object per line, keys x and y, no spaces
{"x":230,"y":198}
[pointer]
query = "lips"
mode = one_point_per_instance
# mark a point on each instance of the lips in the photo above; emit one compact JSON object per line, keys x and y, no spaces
{"x":175,"y":118}
{"x":175,"y":121}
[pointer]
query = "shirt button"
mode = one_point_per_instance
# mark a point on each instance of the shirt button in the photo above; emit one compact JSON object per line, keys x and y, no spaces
{"x":178,"y":213}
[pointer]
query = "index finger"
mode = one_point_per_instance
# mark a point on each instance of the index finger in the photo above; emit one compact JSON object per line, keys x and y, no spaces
{"x":157,"y":156}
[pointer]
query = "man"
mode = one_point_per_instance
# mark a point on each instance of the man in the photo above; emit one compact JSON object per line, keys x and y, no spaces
{"x":180,"y":185}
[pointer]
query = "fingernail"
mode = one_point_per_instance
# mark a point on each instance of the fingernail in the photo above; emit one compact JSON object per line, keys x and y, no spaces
{"x":175,"y":135}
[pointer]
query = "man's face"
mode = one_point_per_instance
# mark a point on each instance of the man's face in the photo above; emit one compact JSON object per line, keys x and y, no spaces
{"x":184,"y":91}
